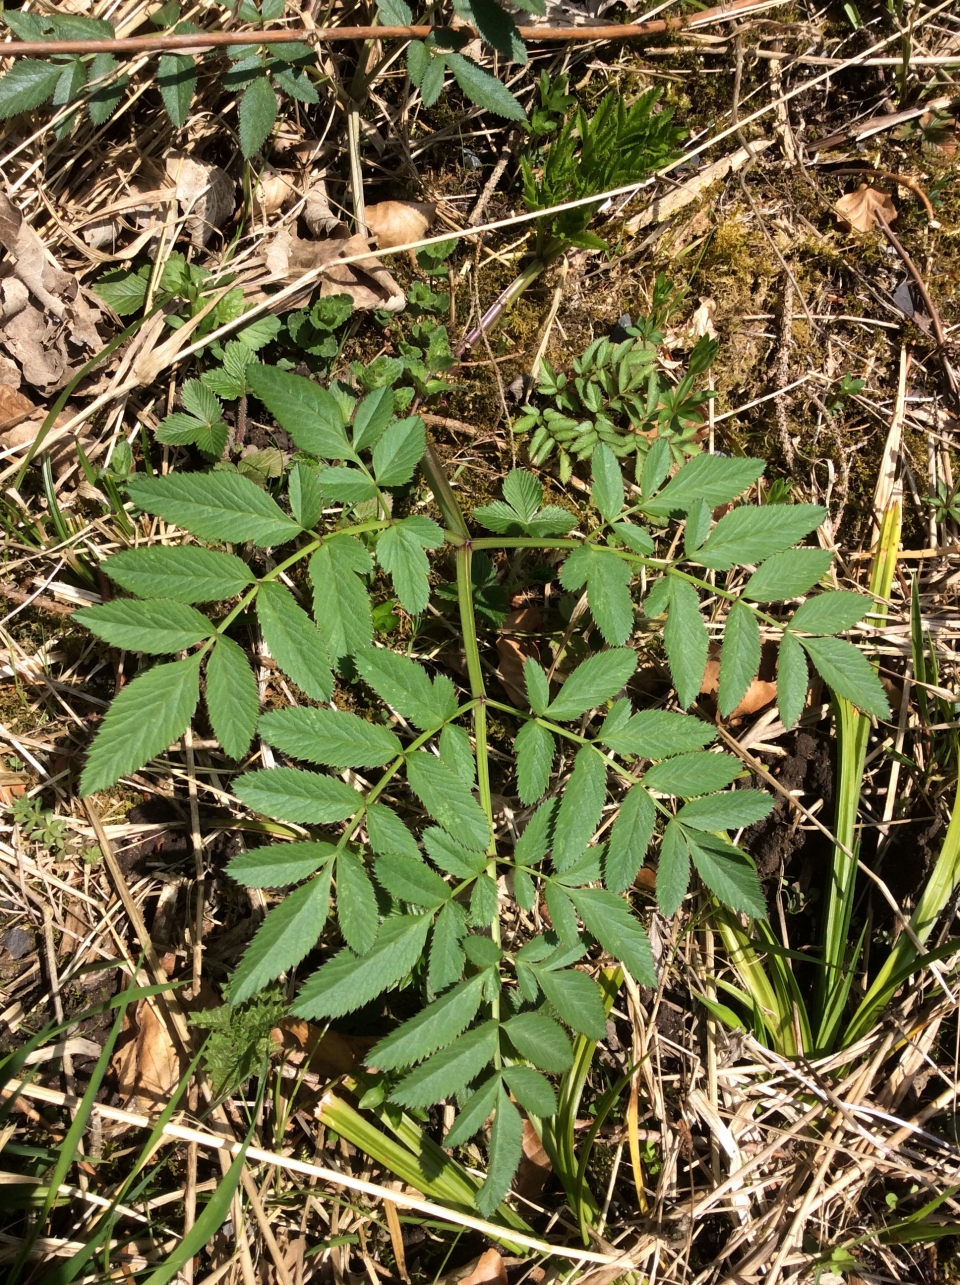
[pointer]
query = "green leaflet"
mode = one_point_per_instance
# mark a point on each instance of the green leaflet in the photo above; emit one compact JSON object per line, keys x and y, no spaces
{"x":374,"y":412}
{"x":629,"y":839}
{"x":306,"y":498}
{"x":486,"y":91}
{"x":446,"y":953}
{"x":537,"y":836}
{"x":177,"y":78}
{"x":279,"y":864}
{"x":580,"y":808}
{"x":607,"y":491}
{"x":457,"y":752}
{"x":792,"y":680}
{"x":329,"y":736}
{"x":399,"y":451}
{"x":476,"y":1111}
{"x":258,"y":111}
{"x":356,"y":903}
{"x":483,"y":902}
{"x":610,"y":920}
{"x":673,"y":869}
{"x":149,"y":714}
{"x":439,"y":1024}
{"x":658,"y":734}
{"x":449,"y":854}
{"x":541,"y":1041}
{"x":294,"y":641}
{"x":406,"y":687}
{"x":214,"y":506}
{"x":726,"y":811}
{"x":186,"y":574}
{"x":387,"y":832}
{"x":685,"y":640}
{"x":28,"y":84}
{"x":447,"y":1072}
{"x":607,"y":579}
{"x":233,"y":699}
{"x":292,"y":795}
{"x":309,"y":413}
{"x":289,"y":932}
{"x":729,"y":873}
{"x":831,"y":613}
{"x":412,"y":881}
{"x":562,"y":913}
{"x":688,"y":775}
{"x":400,"y":551}
{"x":348,"y":981}
{"x":787,"y":575}
{"x":347,"y":484}
{"x":341,"y":604}
{"x":596,"y":680}
{"x":535,"y":750}
{"x":739,"y":657}
{"x":751,"y":533}
{"x":447,"y":799}
{"x":538,"y":688}
{"x":156,"y":626}
{"x":506,"y":1141}
{"x":576,"y":997}
{"x":713,"y":479}
{"x":847,"y":671}
{"x":532,"y":1090}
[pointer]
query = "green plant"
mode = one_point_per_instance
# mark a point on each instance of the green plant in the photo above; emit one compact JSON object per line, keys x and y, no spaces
{"x":39,"y":825}
{"x":945,"y":502}
{"x":617,"y":396}
{"x":413,"y":882}
{"x":240,"y":1043}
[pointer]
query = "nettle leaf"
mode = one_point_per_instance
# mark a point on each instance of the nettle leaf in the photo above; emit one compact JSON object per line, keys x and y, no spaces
{"x":607,"y":492}
{"x":457,"y":752}
{"x":607,"y":578}
{"x":233,"y":698}
{"x":474,"y":1114}
{"x":439,"y":1024}
{"x":295,"y":642}
{"x":541,"y":1041}
{"x":726,"y":811}
{"x":291,"y":795}
{"x":831,"y":613}
{"x":576,"y":998}
{"x":341,"y":604}
{"x":847,"y":671}
{"x":399,"y":451}
{"x":177,"y":78}
{"x":728,"y":873}
{"x":406,"y":687}
{"x":374,"y":412}
{"x":714,"y":479}
{"x":689,"y":775}
{"x":156,"y":627}
{"x":483,"y":89}
{"x":750,"y":533}
{"x":629,"y":839}
{"x":356,"y":903}
{"x":257,"y":112}
{"x":348,"y":981}
{"x":532,"y":1090}
{"x":787,"y":575}
{"x":28,"y":84}
{"x":673,"y":869}
{"x":147,"y":716}
{"x":387,"y":833}
{"x":596,"y":680}
{"x":608,"y":918}
{"x":506,"y":1148}
{"x":309,"y":413}
{"x":306,"y":498}
{"x":658,"y":734}
{"x":535,"y":749}
{"x":214,"y":506}
{"x":449,"y":854}
{"x":685,"y":640}
{"x":448,"y":799}
{"x":185,"y":574}
{"x":792,"y":680}
{"x":739,"y":657}
{"x":412,"y":881}
{"x":332,"y":737}
{"x":537,"y":684}
{"x":580,"y":808}
{"x":450,"y":1070}
{"x":280,"y":864}
{"x":287,"y":935}
{"x":400,"y":551}
{"x":447,"y":956}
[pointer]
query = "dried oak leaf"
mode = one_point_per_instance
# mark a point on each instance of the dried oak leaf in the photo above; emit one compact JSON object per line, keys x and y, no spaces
{"x":399,"y":222}
{"x":366,"y":281}
{"x":860,"y":209}
{"x":205,"y":194}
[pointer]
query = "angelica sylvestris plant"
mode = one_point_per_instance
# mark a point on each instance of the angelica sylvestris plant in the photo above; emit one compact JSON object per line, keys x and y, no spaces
{"x":401,"y":881}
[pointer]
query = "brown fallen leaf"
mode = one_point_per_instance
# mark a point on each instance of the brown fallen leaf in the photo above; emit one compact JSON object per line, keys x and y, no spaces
{"x":399,"y":222}
{"x":272,"y":190}
{"x":148,"y":1066}
{"x":328,"y":1053}
{"x":317,"y":215}
{"x":513,"y":651}
{"x":761,"y":692}
{"x":535,"y":1167}
{"x":205,"y":194}
{"x":860,"y":209}
{"x":700,"y":324}
{"x":366,"y":281}
{"x":490,"y":1269}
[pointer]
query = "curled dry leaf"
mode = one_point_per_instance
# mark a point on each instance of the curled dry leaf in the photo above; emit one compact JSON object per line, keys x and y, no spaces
{"x":860,"y":209}
{"x":148,"y":1066}
{"x":535,"y":1167}
{"x":489,"y":1269}
{"x":205,"y":194}
{"x":366,"y":281}
{"x":327,"y":1053}
{"x":317,"y":215}
{"x":273,"y":189}
{"x":400,"y":222}
{"x":761,"y":692}
{"x":700,"y":324}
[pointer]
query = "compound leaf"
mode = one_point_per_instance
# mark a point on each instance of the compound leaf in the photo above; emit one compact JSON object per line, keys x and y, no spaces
{"x":448,"y":799}
{"x":608,"y":918}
